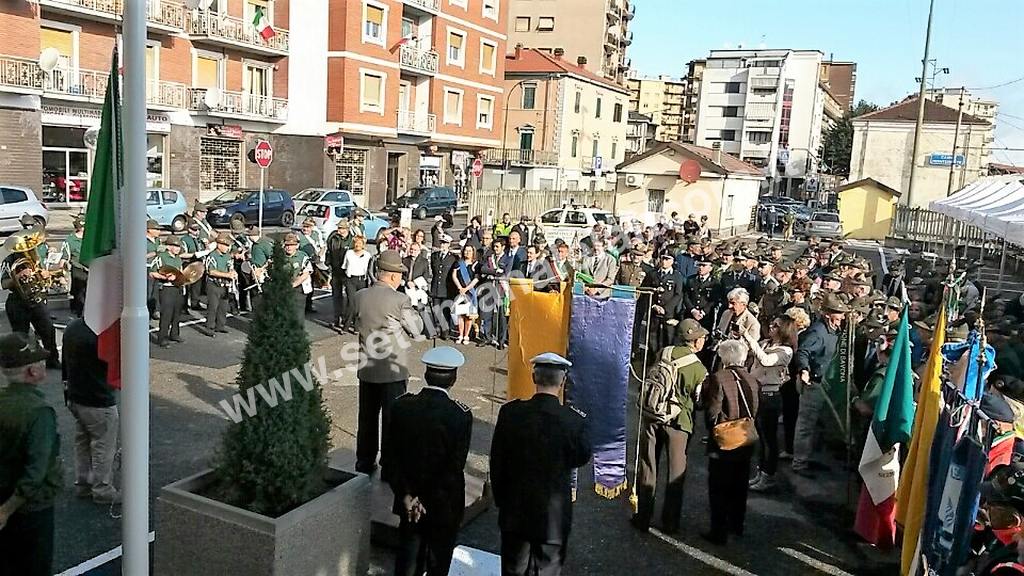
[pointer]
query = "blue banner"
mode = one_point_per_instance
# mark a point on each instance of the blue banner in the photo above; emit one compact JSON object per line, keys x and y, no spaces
{"x":964,"y":370}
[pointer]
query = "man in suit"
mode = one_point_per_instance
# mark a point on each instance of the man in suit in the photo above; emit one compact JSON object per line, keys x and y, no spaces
{"x":600,"y":266}
{"x":425,"y":463}
{"x":537,"y":444}
{"x":386,"y":323}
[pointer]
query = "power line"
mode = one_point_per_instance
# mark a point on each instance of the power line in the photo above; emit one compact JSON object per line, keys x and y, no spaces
{"x":999,"y":85}
{"x":1009,"y":116}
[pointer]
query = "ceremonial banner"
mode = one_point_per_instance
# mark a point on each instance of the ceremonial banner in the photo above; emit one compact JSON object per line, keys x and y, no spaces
{"x":965,"y":366}
{"x":836,"y":384}
{"x":538,"y":322}
{"x":600,"y":336}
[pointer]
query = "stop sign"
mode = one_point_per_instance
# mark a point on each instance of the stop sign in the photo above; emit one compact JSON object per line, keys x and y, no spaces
{"x":478,"y":168}
{"x":263,"y":154}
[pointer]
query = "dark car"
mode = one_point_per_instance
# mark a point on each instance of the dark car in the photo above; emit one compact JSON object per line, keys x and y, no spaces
{"x":426,"y":201}
{"x":243,"y":205}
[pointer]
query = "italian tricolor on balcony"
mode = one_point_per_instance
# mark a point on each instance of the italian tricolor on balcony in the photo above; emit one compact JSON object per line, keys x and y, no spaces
{"x":263,"y":27}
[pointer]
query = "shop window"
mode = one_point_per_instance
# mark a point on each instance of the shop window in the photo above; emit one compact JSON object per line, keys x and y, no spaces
{"x":219,"y":166}
{"x":155,"y":161}
{"x":350,"y":170}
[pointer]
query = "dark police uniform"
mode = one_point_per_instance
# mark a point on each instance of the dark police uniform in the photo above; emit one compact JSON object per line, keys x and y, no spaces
{"x":428,"y":445}
{"x":217,"y":291}
{"x":670,"y":297}
{"x":702,"y":294}
{"x":537,"y":444}
{"x":172,"y":300}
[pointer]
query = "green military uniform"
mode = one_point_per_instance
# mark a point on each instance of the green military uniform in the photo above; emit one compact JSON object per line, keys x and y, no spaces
{"x":172,"y":300}
{"x":193,"y":245}
{"x":71,"y":251}
{"x":217,"y":290}
{"x":261,"y":251}
{"x":297,"y":263}
{"x":314,"y":239}
{"x":43,"y":250}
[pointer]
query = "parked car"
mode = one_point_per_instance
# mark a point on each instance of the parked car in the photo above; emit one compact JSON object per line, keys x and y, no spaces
{"x":823,"y":225}
{"x":243,"y":205}
{"x":15,"y":202}
{"x":426,"y":201}
{"x":322,"y":195}
{"x":573,"y":222}
{"x":327,"y":214}
{"x":167,"y":207}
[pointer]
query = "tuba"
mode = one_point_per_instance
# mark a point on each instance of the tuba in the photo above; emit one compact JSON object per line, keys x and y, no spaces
{"x":23,"y":244}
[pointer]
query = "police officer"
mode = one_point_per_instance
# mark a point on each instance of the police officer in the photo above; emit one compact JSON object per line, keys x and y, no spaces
{"x":153,"y":248}
{"x":301,"y":268}
{"x":425,"y":466}
{"x":702,"y":297}
{"x":220,"y":280}
{"x":668,"y":302}
{"x":537,"y":444}
{"x":71,"y":252}
{"x":29,"y":460}
{"x":172,"y":297}
{"x":736,"y":275}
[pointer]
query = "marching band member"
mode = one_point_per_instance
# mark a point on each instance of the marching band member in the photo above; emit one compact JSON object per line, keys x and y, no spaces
{"x":220,"y":278}
{"x":194,"y":249}
{"x":172,"y":296}
{"x":302,"y":271}
{"x":71,"y":252}
{"x":312,"y":242}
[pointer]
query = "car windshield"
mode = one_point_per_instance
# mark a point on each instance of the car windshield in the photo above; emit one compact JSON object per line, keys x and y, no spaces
{"x":335,"y":196}
{"x":312,"y":210}
{"x":308,"y":195}
{"x":231,"y":196}
{"x":606,"y":218}
{"x":825,"y":217}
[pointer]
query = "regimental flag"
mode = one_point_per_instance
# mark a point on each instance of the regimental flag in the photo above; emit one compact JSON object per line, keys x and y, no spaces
{"x":890,"y":426}
{"x":262,"y":25}
{"x":104,"y":295}
{"x":836,"y":384}
{"x":913,"y":490}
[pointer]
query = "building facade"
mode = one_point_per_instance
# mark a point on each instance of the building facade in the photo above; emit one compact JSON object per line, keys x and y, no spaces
{"x":691,"y":107}
{"x":640,"y":134}
{"x":663,"y":99}
{"x":595,"y":30}
{"x":841,"y":80}
{"x":883,"y":144}
{"x":565,"y":130}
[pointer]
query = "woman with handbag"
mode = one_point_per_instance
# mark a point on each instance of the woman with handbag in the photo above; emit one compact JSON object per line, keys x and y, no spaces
{"x":729,"y":397}
{"x":466,"y":277}
{"x":771,"y":371}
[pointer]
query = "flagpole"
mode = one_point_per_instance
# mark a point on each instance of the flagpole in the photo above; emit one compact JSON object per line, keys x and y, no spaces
{"x":135,"y":315}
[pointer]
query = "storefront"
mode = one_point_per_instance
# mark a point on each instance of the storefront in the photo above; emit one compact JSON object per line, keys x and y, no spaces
{"x":431,"y":173}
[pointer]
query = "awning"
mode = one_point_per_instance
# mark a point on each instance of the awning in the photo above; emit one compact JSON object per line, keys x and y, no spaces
{"x":995,"y":204}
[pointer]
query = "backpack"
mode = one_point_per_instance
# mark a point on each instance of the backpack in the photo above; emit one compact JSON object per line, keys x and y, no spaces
{"x":658,"y":399}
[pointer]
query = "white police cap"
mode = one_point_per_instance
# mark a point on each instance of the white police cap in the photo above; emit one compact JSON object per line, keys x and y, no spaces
{"x":443,"y":358}
{"x":550,"y":359}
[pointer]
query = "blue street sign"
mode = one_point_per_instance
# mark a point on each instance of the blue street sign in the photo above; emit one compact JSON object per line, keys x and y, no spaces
{"x":940,"y":159}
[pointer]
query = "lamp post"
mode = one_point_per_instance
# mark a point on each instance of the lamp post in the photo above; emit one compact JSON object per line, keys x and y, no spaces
{"x":504,"y":133}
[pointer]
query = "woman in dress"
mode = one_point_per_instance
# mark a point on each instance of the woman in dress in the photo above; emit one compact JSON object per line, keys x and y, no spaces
{"x":771,"y":370}
{"x":465,"y":275}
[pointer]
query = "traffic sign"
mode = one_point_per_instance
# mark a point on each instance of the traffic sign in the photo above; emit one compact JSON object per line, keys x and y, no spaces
{"x":478,"y":168}
{"x":263,"y":154}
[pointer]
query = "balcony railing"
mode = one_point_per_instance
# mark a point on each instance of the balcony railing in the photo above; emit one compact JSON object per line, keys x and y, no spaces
{"x":417,"y":60}
{"x":520,"y":157}
{"x":762,"y":83}
{"x":166,"y":94}
{"x":165,"y":13}
{"x":20,"y":74}
{"x":431,"y":5}
{"x":159,"y":13}
{"x":239,"y":105}
{"x":412,"y":121}
{"x":76,"y":83}
{"x":224,"y":29}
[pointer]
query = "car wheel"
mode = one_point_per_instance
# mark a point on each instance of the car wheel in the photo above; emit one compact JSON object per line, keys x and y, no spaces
{"x":287,"y":219}
{"x":178,"y":224}
{"x":421,"y":214}
{"x":238,"y":217}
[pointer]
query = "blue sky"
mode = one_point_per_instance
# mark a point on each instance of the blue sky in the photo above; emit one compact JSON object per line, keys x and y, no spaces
{"x":980,"y":41}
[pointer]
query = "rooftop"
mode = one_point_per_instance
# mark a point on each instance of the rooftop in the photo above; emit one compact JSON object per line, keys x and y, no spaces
{"x":530,"y":61}
{"x":906,"y":111}
{"x":728,"y":164}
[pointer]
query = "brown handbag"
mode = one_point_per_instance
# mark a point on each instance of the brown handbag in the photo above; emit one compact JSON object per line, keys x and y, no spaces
{"x":733,"y":434}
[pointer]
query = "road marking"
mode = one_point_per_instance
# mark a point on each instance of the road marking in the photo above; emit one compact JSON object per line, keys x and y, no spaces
{"x":98,"y":561}
{"x":814,"y":563}
{"x":702,"y":556}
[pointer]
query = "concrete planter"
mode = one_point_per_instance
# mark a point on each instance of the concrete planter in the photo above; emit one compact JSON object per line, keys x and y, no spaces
{"x":329,"y":535}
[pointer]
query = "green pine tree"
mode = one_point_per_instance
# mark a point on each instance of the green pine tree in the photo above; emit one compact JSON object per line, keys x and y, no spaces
{"x":275,"y":461}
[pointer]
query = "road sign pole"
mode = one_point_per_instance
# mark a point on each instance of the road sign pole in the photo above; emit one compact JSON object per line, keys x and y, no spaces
{"x":263,"y":175}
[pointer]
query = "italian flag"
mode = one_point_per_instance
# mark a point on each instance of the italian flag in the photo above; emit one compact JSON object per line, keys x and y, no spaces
{"x":891,"y":425}
{"x":104,"y":295}
{"x":263,"y":27}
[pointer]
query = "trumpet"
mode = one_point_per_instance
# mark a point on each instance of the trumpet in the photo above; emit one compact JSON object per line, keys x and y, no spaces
{"x":34,"y":285}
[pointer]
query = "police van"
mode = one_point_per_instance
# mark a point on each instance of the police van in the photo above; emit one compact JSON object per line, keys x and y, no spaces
{"x":574,"y":223}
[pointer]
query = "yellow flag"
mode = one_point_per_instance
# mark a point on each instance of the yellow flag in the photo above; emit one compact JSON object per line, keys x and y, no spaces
{"x":913,"y":490}
{"x":538,"y":322}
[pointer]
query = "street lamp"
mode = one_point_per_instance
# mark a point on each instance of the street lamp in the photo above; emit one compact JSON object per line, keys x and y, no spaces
{"x":504,"y":133}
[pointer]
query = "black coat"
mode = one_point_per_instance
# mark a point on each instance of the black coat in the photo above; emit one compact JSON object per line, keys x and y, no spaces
{"x":704,"y":295}
{"x":537,"y":444}
{"x":441,"y":285}
{"x":416,"y":268}
{"x":671,"y":295}
{"x":336,"y":248}
{"x":428,"y":439}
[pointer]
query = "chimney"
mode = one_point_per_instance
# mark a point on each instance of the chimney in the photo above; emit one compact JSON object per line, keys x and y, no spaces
{"x":559,"y":52}
{"x":581,"y":61}
{"x":519,"y":51}
{"x":716,"y":153}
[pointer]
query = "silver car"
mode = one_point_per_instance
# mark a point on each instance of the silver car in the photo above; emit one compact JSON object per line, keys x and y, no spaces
{"x":310,"y":195}
{"x":15,"y":202}
{"x":824,"y":225}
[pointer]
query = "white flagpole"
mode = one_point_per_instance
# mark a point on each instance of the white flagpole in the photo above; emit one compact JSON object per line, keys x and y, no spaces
{"x":135,"y":315}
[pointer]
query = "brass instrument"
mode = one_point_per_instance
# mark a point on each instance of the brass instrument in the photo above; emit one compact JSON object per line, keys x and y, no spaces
{"x":186,"y":276}
{"x":36,"y":286}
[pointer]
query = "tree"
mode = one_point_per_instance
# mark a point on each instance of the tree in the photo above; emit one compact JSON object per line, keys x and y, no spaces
{"x":275,"y":460}
{"x":839,"y":140}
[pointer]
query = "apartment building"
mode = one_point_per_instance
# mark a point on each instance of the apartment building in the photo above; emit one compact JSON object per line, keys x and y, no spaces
{"x":597,"y":30}
{"x":214,"y":85}
{"x":640,"y":134}
{"x":841,"y":80}
{"x":565,"y":130}
{"x":691,"y":107}
{"x":414,"y":91}
{"x":663,"y":99}
{"x":765,"y":107}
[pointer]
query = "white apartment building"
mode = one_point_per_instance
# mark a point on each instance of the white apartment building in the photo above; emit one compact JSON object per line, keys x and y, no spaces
{"x":765,"y":107}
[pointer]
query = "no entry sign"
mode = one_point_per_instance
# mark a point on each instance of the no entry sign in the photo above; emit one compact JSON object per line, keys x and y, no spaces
{"x":263,"y":154}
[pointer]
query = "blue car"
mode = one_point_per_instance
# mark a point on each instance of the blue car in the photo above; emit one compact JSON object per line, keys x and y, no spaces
{"x":168,"y":208}
{"x":243,"y":206}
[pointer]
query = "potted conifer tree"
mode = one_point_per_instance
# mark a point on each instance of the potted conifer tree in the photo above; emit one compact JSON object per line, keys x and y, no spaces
{"x":271,"y":505}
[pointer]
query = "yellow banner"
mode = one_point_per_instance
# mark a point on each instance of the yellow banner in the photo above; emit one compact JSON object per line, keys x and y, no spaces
{"x":538,"y":322}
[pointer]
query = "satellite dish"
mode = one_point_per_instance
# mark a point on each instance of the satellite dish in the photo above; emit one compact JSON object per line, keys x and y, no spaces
{"x":212,"y":98}
{"x":92,"y":135}
{"x":689,"y":171}
{"x":48,"y":59}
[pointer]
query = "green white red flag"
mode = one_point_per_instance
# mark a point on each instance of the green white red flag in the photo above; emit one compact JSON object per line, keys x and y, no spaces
{"x":262,"y":25}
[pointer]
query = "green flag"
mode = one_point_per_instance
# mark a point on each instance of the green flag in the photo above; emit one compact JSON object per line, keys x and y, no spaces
{"x":836,"y":383}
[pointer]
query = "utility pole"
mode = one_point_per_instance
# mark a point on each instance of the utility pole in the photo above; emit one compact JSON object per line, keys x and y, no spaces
{"x":920,"y":106}
{"x":956,"y":136}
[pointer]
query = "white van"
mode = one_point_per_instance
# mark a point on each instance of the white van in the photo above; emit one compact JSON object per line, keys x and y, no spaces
{"x":573,"y":223}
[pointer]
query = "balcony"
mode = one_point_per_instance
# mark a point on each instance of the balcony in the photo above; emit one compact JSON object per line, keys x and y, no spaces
{"x":418,"y":61}
{"x":163,"y":15}
{"x":629,"y":13}
{"x":428,"y":6}
{"x":764,"y":83}
{"x":230,"y":32}
{"x":412,"y":122}
{"x":612,"y":11}
{"x":169,"y":95}
{"x":519,"y":157}
{"x":20,"y":75}
{"x":760,"y":112}
{"x":76,"y":84}
{"x":233,"y":104}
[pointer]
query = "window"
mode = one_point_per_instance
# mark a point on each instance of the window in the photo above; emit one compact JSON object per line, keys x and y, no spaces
{"x":546,"y":23}
{"x":152,"y":198}
{"x":371,"y":91}
{"x":274,"y":198}
{"x":552,"y":217}
{"x":731,"y":111}
{"x":458,"y":3}
{"x":655,"y":200}
{"x":456,"y":48}
{"x":488,"y":57}
{"x":484,"y":111}
{"x":729,"y":135}
{"x":732,"y":87}
{"x":529,"y":96}
{"x":759,"y":137}
{"x":169,"y":196}
{"x":374,"y":23}
{"x":615,"y":150}
{"x":526,"y":139}
{"x":579,"y":102}
{"x":408,"y":28}
{"x":12,"y":196}
{"x":575,"y":146}
{"x":595,"y":146}
{"x":453,"y":106}
{"x":522,"y":23}
{"x":207,"y":72}
{"x":597,"y":109}
{"x":617,"y":113}
{"x":491,"y":9}
{"x":573,"y":217}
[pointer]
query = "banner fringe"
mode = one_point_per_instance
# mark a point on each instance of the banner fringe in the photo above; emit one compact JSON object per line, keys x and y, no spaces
{"x":613,"y":492}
